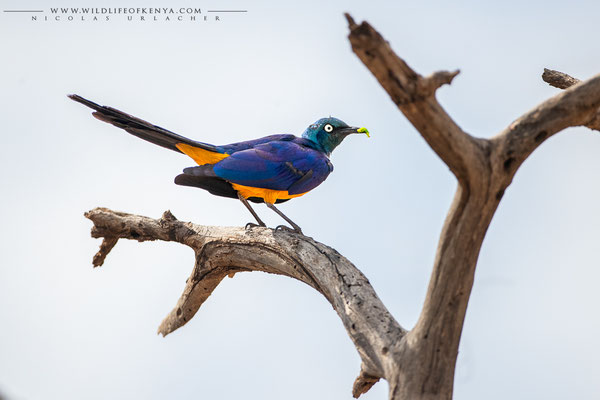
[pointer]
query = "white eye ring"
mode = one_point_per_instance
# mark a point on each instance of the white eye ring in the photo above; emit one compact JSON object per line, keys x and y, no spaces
{"x":328,"y":128}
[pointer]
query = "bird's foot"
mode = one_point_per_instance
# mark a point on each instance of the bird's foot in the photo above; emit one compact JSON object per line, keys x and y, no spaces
{"x":251,"y":225}
{"x":288,"y":229}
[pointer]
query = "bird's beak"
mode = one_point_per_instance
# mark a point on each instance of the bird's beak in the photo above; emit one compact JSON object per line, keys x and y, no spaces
{"x":354,"y":129}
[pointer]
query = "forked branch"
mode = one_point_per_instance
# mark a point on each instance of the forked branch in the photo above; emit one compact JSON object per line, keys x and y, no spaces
{"x":415,"y":97}
{"x":426,"y":356}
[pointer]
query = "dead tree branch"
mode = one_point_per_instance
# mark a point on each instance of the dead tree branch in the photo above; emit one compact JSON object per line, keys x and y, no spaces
{"x":418,"y":364}
{"x":426,"y":357}
{"x":559,"y":79}
{"x":415,"y":97}
{"x":225,"y":251}
{"x":575,"y":106}
{"x":564,"y":81}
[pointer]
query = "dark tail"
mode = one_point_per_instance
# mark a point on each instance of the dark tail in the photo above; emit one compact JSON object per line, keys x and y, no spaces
{"x":140,"y":128}
{"x":205,"y":178}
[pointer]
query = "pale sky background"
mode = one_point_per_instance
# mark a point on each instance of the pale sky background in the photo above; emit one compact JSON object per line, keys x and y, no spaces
{"x":70,"y":332}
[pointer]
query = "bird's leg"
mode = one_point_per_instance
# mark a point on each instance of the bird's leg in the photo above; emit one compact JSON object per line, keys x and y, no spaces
{"x":250,"y":224}
{"x":289,"y":221}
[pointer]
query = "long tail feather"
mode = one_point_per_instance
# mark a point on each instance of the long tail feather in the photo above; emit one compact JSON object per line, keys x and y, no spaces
{"x":140,"y":128}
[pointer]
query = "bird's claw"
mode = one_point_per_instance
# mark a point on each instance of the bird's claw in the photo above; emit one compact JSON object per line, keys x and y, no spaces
{"x":251,"y":225}
{"x":288,"y":229}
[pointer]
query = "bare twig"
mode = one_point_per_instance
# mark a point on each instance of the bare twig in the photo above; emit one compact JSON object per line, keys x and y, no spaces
{"x":363,"y":383}
{"x":575,"y":106}
{"x":107,"y":244}
{"x":559,"y":79}
{"x":564,"y":81}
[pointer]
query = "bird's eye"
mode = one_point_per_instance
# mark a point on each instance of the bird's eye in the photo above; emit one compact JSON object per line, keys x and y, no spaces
{"x":328,"y":128}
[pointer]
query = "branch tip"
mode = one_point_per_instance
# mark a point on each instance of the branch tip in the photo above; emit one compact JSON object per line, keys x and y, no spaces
{"x":561,"y":80}
{"x":351,"y":23}
{"x":363,"y":383}
{"x":428,"y":85}
{"x":453,"y":74}
{"x":168,"y":216}
{"x":107,"y":244}
{"x":161,"y":331}
{"x":558,"y":79}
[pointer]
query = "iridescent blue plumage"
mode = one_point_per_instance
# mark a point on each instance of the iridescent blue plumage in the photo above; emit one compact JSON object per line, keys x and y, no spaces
{"x":271,"y":169}
{"x":327,"y":141}
{"x":282,"y":162}
{"x":277,"y":165}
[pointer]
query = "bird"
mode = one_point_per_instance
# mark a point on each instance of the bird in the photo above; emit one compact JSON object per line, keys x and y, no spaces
{"x":271,"y":170}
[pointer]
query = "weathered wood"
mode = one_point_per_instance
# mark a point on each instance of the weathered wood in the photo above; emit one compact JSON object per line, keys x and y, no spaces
{"x":415,"y":96}
{"x":564,"y":81}
{"x":221,"y":251}
{"x":558,"y":79}
{"x":424,"y":360}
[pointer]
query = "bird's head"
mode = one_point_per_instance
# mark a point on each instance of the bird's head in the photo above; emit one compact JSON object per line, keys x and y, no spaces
{"x":328,"y":133}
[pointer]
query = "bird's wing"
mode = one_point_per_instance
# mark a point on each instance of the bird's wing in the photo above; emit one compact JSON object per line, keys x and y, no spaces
{"x":249,"y":144}
{"x":276,"y":165}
